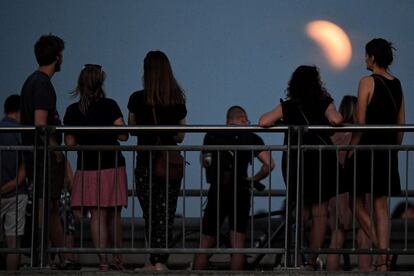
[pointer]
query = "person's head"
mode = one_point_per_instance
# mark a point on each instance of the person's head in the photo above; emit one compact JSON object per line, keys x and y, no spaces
{"x":160,"y":86}
{"x":348,"y":109}
{"x":236,"y":115}
{"x":12,"y":107}
{"x":306,"y":85}
{"x":48,"y":50}
{"x":89,"y":87}
{"x":379,"y":52}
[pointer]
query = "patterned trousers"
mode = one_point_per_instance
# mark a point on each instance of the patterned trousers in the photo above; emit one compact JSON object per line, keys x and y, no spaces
{"x":159,"y":204}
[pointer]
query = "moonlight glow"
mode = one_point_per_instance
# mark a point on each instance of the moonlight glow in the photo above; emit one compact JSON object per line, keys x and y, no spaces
{"x":333,"y":40}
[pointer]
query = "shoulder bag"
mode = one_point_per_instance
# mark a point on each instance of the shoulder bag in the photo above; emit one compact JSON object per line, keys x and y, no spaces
{"x":167,"y":163}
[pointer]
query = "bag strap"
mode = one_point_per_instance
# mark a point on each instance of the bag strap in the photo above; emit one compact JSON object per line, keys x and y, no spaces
{"x":307,"y":121}
{"x":388,"y":90}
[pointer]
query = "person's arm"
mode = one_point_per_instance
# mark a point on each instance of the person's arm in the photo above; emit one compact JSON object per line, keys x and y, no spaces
{"x":179,"y":136}
{"x":40,"y":119}
{"x":365,"y":89}
{"x":123,"y":136}
{"x":334,"y":117}
{"x":401,"y":121}
{"x":69,"y":176}
{"x":17,"y":181}
{"x":269,"y":118}
{"x":268,"y":164}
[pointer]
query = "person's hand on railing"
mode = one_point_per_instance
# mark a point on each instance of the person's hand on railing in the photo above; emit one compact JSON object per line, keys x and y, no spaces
{"x":59,"y":156}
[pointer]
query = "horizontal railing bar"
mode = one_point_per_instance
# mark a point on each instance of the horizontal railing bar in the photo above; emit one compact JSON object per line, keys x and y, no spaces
{"x":168,"y":250}
{"x":225,"y":250}
{"x":221,"y":128}
{"x":225,"y":147}
{"x":170,"y":147}
{"x":264,"y":193}
{"x":372,"y":251}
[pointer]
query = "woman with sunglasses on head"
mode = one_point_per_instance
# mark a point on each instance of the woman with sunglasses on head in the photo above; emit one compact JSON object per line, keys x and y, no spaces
{"x":100,"y":183}
{"x":380,"y":102}
{"x":161,"y":102}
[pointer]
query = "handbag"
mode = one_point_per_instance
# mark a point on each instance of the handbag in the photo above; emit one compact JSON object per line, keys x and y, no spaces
{"x":167,"y":164}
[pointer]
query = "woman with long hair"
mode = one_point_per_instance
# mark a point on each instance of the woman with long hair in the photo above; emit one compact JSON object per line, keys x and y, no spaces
{"x":161,"y":102}
{"x":100,"y":183}
{"x":380,"y":101}
{"x":308,"y":103}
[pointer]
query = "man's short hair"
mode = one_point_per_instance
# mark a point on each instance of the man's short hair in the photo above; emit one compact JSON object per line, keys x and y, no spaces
{"x":12,"y":104}
{"x":235,"y":112}
{"x":47,"y":48}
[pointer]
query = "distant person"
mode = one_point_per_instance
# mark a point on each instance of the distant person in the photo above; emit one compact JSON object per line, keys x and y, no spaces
{"x":232,"y":182}
{"x":13,"y":192}
{"x":161,"y":102}
{"x":100,"y":182}
{"x":309,"y":103}
{"x":380,"y":102}
{"x":38,"y":108}
{"x":404,"y":210}
{"x":339,"y":207}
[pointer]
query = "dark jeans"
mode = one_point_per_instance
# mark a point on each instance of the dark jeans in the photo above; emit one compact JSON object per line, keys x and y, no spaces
{"x":158,"y":206}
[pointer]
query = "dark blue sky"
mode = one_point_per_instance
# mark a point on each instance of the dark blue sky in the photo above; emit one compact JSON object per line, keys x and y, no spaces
{"x":222,"y":52}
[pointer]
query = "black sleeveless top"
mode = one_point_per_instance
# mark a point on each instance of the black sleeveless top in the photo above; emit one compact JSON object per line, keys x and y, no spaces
{"x":383,"y":109}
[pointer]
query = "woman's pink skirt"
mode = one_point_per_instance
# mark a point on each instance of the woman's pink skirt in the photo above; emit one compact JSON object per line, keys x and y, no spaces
{"x":106,"y":188}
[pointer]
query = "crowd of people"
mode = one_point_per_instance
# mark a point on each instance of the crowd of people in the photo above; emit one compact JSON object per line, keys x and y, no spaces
{"x":99,"y":184}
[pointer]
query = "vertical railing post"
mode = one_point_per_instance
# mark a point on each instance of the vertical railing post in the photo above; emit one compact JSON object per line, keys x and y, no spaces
{"x":35,"y":244}
{"x":46,"y":196}
{"x":288,"y":207}
{"x":298,"y":211}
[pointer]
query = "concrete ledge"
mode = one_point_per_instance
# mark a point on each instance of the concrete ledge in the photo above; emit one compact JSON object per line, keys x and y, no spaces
{"x":279,"y":272}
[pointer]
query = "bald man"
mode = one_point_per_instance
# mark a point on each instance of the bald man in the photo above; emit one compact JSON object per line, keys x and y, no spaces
{"x":231,"y":183}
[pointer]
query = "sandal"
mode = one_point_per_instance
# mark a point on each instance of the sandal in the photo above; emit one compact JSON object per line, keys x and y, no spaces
{"x":386,"y":264}
{"x":310,"y":266}
{"x":70,"y":265}
{"x":117,"y":264}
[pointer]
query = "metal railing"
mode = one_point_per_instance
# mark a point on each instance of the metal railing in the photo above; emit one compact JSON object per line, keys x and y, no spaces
{"x":283,"y":230}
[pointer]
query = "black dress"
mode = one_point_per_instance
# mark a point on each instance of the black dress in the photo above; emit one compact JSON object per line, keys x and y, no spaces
{"x":317,"y":175}
{"x":383,"y":109}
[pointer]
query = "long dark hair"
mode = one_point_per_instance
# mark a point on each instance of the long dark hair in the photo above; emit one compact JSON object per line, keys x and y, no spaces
{"x":160,"y":86}
{"x":89,"y":86}
{"x":305,"y":85}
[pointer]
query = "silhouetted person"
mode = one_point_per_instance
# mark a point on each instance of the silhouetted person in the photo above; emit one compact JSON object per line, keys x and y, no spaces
{"x":161,"y":102}
{"x":309,"y":103}
{"x":380,"y":102}
{"x":38,"y":108}
{"x":13,"y":188}
{"x":230,"y":189}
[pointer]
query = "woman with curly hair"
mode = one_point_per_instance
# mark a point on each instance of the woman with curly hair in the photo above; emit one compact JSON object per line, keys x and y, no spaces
{"x":308,"y":103}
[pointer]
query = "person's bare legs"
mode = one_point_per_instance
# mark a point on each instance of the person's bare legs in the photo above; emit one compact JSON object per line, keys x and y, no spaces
{"x":55,"y":226}
{"x":13,"y":260}
{"x":364,"y":219}
{"x":318,"y":229}
{"x":237,"y":241}
{"x":382,"y":219}
{"x":364,"y":261}
{"x":115,"y":231}
{"x":201,"y":259}
{"x":337,"y":241}
{"x":99,"y":231}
